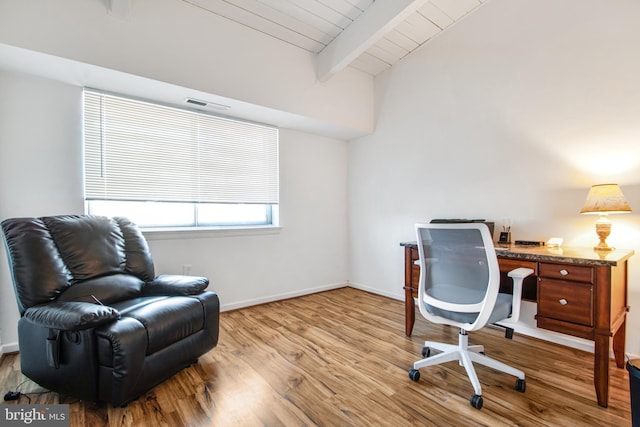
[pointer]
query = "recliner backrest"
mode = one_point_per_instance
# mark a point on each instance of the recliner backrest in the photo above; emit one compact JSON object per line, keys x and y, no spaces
{"x":76,"y":258}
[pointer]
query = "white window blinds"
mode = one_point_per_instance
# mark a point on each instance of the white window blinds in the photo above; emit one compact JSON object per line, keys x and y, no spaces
{"x":138,"y":151}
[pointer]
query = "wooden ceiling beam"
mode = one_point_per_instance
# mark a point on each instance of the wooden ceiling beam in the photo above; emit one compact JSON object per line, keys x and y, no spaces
{"x":380,"y":18}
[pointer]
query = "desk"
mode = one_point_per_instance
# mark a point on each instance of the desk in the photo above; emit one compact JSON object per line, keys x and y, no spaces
{"x":579,"y":292}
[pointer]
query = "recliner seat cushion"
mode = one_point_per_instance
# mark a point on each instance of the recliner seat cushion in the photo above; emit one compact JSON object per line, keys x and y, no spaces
{"x":166,"y":319}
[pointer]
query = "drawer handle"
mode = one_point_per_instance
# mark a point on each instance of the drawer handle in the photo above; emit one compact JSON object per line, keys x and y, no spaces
{"x":563,"y":301}
{"x":564,"y":272}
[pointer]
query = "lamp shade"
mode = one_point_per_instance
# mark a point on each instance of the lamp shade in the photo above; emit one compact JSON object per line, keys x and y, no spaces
{"x":605,"y":199}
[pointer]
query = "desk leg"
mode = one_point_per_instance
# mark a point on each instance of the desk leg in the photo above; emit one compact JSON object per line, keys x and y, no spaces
{"x":619,"y":339}
{"x":409,"y":311}
{"x":601,"y":369}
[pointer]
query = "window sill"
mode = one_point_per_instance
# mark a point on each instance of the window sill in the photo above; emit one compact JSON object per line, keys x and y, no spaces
{"x":167,"y":233}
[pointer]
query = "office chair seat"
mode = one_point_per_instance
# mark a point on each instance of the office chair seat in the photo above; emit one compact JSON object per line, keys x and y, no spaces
{"x":501,"y":311}
{"x":459,"y":286}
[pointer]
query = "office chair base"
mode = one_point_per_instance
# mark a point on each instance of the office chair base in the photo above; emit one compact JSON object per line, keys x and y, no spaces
{"x":466,"y":355}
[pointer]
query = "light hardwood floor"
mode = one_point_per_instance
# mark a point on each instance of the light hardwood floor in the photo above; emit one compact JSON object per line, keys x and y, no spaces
{"x":340,"y":358}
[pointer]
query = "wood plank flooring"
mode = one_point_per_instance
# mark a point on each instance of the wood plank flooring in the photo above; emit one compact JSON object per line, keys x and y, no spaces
{"x":340,"y":358}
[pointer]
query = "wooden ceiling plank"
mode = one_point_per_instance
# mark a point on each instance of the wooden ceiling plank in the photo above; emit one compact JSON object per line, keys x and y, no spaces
{"x":371,"y":26}
{"x":382,"y":54}
{"x":361,"y":4}
{"x":258,"y":23}
{"x":402,"y":40}
{"x":369,"y":64}
{"x":344,"y":8}
{"x":456,"y":9}
{"x":286,"y":20}
{"x":303,"y":15}
{"x":388,"y":51}
{"x":419,"y":30}
{"x":325,"y":12}
{"x":435,"y":15}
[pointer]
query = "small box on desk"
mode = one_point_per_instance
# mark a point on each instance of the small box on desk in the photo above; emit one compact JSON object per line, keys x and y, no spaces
{"x":533,"y":243}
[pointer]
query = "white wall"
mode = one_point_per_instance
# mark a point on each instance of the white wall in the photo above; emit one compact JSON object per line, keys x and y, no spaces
{"x":41,"y":174}
{"x":178,"y":43}
{"x":308,"y":254}
{"x":514,"y":112}
{"x":40,"y":165}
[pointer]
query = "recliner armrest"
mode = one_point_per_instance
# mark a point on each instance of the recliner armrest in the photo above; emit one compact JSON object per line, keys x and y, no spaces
{"x":71,"y":315}
{"x":174,"y":284}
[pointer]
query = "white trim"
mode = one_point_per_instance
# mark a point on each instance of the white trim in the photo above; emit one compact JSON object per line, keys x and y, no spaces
{"x":207,"y":232}
{"x":399,"y":297}
{"x":9,"y":348}
{"x":280,"y":297}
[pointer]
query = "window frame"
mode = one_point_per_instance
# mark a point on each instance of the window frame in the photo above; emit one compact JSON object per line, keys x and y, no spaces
{"x":197,"y":223}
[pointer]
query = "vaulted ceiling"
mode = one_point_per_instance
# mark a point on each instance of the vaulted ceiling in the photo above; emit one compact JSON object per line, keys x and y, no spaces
{"x":369,"y":35}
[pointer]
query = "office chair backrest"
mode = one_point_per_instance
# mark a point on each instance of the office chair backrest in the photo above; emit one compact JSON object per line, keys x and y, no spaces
{"x":459,"y":277}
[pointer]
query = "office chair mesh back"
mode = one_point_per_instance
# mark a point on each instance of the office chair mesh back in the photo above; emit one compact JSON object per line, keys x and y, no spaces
{"x":461,"y":276}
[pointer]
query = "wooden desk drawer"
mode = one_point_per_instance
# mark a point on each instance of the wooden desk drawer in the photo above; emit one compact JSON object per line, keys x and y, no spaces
{"x":574,"y":273}
{"x":567,"y":301}
{"x":507,"y":264}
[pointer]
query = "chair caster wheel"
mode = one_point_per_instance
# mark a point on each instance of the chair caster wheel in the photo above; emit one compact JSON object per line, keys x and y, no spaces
{"x":521,"y":385}
{"x":476,"y":401}
{"x":426,"y":352}
{"x":414,"y":374}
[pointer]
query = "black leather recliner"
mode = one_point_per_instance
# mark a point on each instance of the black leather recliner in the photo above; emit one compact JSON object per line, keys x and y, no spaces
{"x":96,"y":323}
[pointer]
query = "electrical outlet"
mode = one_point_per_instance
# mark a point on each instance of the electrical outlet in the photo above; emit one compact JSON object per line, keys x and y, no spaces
{"x":186,"y":269}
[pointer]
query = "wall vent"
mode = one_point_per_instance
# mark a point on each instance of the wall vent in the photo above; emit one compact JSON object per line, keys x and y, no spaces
{"x":206,"y":104}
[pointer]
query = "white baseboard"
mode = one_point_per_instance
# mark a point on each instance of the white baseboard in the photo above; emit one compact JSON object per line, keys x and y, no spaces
{"x":396,"y":296}
{"x":9,"y":348}
{"x":278,"y":297}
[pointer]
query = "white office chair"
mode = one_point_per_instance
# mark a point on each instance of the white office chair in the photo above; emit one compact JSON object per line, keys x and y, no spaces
{"x":459,"y":286}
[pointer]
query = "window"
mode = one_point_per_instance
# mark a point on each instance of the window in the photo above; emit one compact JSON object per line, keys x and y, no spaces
{"x":163,"y":166}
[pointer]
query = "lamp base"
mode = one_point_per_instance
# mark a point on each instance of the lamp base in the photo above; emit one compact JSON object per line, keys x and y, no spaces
{"x":603,"y":229}
{"x":603,"y":248}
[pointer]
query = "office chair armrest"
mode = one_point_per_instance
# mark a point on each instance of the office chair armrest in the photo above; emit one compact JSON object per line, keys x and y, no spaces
{"x":518,"y":275}
{"x":70,"y":315}
{"x":174,"y":284}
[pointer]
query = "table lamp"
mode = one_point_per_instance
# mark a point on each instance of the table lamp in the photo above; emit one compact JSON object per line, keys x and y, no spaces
{"x":604,"y":199}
